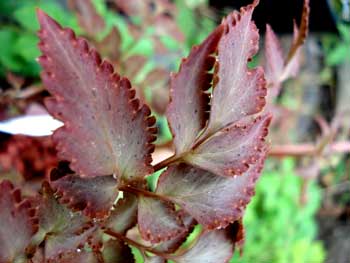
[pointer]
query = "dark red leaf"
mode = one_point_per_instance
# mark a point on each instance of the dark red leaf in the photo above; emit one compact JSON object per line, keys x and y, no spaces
{"x":214,"y":201}
{"x":173,"y":244}
{"x":116,"y":251}
{"x":238,"y":91}
{"x":62,"y":230}
{"x":232,"y":150}
{"x":157,"y":220}
{"x":106,"y":131}
{"x":187,"y":110}
{"x":94,"y":196}
{"x":17,"y":223}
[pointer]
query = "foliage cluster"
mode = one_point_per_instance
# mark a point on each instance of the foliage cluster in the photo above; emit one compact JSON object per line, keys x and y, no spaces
{"x":97,"y":206}
{"x":85,"y":211}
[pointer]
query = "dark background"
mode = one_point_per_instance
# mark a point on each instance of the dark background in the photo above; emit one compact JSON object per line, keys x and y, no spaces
{"x":280,"y":14}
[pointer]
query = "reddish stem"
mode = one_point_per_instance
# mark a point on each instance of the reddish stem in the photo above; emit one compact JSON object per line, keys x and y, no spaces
{"x":307,"y":149}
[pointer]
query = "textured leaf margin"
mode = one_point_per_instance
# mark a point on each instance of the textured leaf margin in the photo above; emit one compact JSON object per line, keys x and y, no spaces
{"x":187,"y":111}
{"x":232,"y":150}
{"x":92,"y":101}
{"x":18,"y":223}
{"x":94,"y":196}
{"x":62,"y":230}
{"x":238,"y":91}
{"x":214,"y":201}
{"x":158,"y":220}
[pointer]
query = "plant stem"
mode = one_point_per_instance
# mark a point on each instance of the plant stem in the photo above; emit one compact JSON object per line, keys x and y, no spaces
{"x":166,"y":162}
{"x":138,"y":191}
{"x":141,"y":247}
{"x":308,"y":149}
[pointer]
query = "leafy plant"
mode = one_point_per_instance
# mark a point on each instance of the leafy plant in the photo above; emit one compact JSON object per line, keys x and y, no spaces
{"x":17,"y":34}
{"x":87,"y":210}
{"x":280,"y":223}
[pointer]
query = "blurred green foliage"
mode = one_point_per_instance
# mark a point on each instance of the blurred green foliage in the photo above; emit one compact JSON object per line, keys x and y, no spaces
{"x":279,"y":228}
{"x":336,"y":49}
{"x":18,"y":33}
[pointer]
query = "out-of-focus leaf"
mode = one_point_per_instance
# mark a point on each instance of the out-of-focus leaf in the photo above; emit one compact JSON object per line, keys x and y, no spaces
{"x":17,"y":223}
{"x":212,"y":247}
{"x":274,"y":58}
{"x":92,"y":23}
{"x":74,"y":73}
{"x":157,"y":220}
{"x":187,"y":110}
{"x":154,"y":259}
{"x":25,"y":14}
{"x":110,"y":46}
{"x":116,"y":251}
{"x":7,"y":55}
{"x":338,"y":54}
{"x":232,"y":150}
{"x":301,"y":33}
{"x":75,"y":257}
{"x":214,"y":201}
{"x":238,"y":91}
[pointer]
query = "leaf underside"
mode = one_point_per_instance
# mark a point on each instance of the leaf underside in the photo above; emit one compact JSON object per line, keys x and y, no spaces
{"x":105,"y":130}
